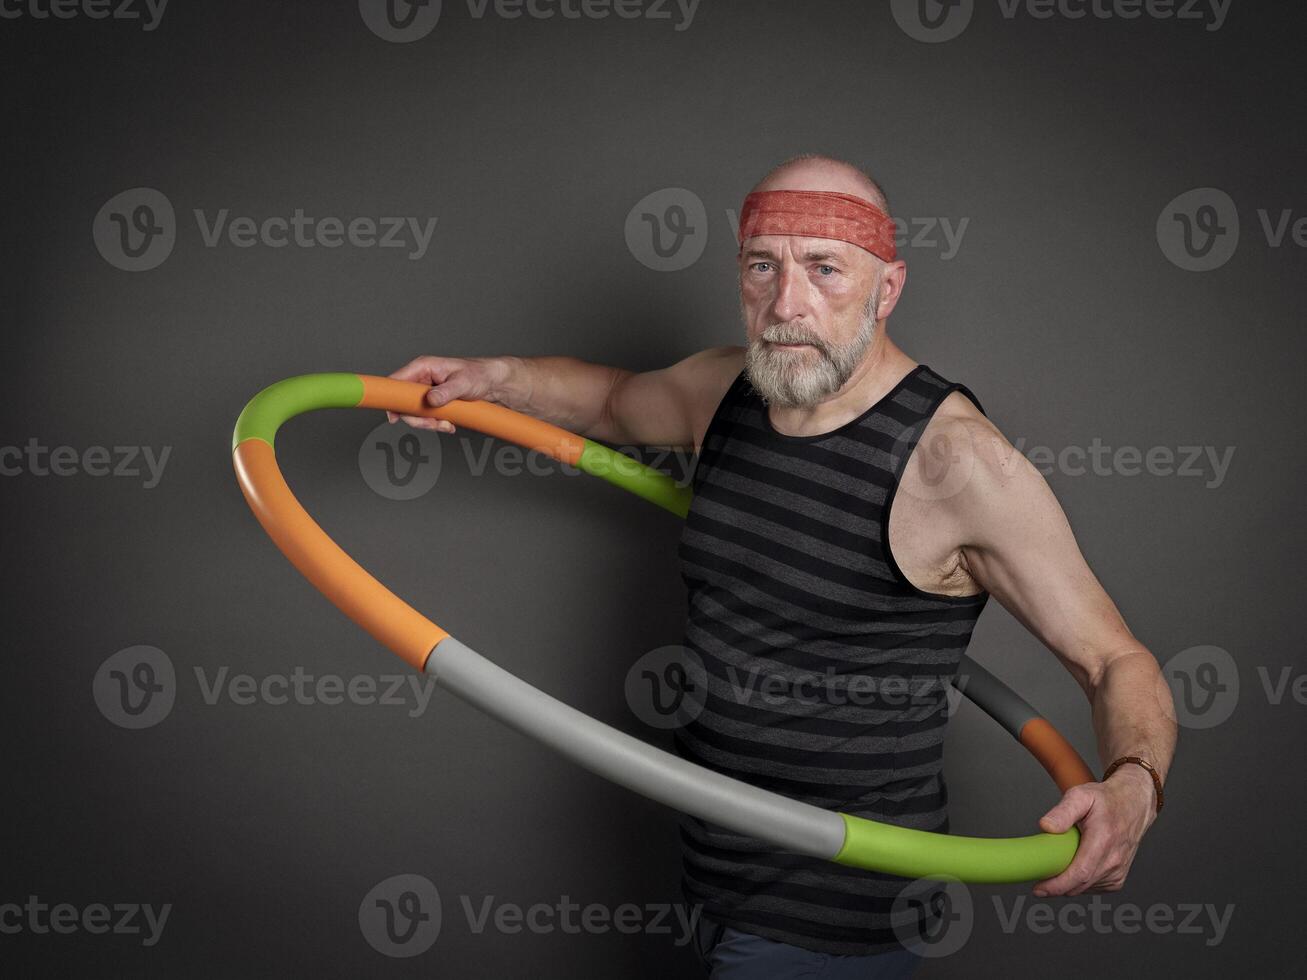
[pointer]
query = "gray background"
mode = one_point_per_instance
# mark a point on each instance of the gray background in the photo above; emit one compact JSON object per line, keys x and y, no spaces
{"x":1061,"y":140}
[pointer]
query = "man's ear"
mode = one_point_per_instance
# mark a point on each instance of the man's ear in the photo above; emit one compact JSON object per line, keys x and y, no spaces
{"x":891,"y":287}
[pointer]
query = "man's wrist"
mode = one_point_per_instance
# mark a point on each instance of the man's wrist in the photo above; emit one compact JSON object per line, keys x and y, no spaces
{"x":509,"y":385}
{"x":1140,"y":781}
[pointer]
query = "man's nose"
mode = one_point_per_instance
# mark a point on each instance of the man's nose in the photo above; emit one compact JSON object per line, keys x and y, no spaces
{"x":791,"y":299}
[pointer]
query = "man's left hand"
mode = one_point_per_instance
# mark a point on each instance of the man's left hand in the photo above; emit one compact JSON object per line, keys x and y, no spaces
{"x":1112,"y":817}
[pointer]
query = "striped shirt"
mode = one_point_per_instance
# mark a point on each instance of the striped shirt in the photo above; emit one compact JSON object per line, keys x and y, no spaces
{"x":827,"y":669}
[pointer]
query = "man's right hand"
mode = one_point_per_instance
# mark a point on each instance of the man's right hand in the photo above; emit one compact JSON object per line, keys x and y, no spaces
{"x":668,"y":408}
{"x":468,"y":378}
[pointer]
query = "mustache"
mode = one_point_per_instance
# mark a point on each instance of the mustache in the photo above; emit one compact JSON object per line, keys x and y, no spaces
{"x":784,"y":333}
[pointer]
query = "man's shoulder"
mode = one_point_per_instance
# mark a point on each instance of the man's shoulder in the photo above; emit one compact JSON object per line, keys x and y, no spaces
{"x":720,"y":363}
{"x":705,"y":378}
{"x":962,"y":455}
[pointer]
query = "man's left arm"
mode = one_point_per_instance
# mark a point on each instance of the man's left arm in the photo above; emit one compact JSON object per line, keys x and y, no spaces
{"x":1018,"y":545}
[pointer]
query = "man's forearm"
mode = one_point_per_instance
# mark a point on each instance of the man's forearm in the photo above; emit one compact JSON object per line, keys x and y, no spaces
{"x":566,"y":391}
{"x":1134,"y":714}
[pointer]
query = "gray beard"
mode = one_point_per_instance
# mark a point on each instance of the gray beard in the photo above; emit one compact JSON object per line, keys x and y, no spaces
{"x":800,"y":379}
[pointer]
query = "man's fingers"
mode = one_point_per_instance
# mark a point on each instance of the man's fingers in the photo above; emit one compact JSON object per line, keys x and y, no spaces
{"x":1090,"y":861}
{"x":435,"y":425}
{"x":455,"y":386}
{"x":426,"y":369}
{"x":1080,"y":873}
{"x":1075,"y":803}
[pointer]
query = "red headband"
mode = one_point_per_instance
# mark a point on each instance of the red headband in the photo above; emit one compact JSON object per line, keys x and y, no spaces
{"x":819,"y":214}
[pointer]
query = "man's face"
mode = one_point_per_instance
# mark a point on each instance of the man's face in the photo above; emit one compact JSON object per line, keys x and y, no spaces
{"x":809,"y":309}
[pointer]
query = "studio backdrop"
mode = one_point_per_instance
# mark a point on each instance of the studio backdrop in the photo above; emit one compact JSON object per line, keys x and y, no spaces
{"x":211,"y":772}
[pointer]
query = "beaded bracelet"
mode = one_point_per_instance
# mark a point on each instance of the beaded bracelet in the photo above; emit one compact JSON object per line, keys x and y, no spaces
{"x":1157,"y":780}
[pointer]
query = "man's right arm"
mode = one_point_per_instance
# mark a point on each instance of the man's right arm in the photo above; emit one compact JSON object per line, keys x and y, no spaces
{"x":669,"y":407}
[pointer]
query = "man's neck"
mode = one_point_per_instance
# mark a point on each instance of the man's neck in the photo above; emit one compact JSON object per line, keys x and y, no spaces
{"x":880,"y":370}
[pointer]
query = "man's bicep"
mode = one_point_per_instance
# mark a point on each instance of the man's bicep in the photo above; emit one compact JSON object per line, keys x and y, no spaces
{"x":1021,"y":549}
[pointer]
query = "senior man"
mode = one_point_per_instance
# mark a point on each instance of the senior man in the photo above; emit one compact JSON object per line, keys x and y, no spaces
{"x":852,"y":513}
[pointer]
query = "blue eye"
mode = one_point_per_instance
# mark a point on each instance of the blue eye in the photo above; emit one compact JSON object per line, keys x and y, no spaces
{"x":757,"y":266}
{"x":827,"y":269}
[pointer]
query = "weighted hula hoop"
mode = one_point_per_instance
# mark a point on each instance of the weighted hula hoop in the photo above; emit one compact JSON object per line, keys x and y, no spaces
{"x":614,"y":755}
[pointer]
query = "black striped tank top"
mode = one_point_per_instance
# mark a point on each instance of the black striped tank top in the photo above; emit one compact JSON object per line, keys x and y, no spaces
{"x":827,"y":670}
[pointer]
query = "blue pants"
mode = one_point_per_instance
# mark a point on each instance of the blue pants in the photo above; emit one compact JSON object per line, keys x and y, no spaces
{"x":733,"y":955}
